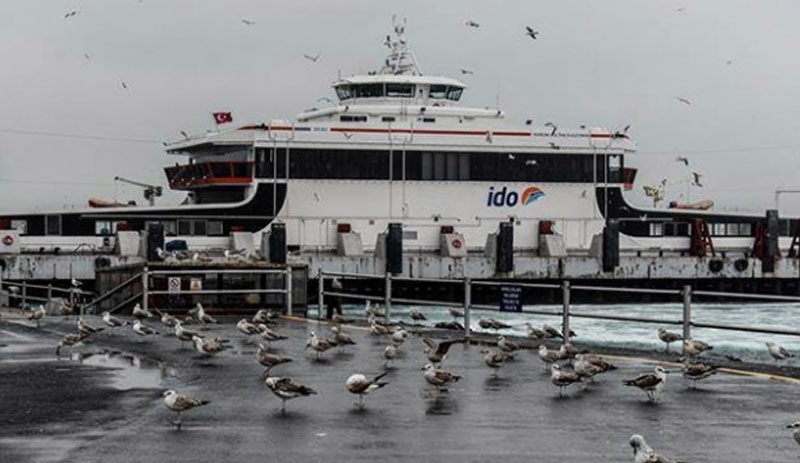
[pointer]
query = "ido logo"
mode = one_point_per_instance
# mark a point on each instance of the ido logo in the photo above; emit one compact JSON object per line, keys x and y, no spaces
{"x":504,"y":197}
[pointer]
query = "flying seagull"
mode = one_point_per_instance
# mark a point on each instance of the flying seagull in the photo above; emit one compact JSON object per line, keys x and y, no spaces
{"x":471,"y":23}
{"x":359,"y":384}
{"x":437,"y":352}
{"x":553,"y":126}
{"x":683,"y":100}
{"x":179,"y":403}
{"x":185,"y":135}
{"x":312,"y":58}
{"x":124,"y":85}
{"x":248,"y":22}
{"x":71,"y":14}
{"x":650,"y":383}
{"x":682,"y":159}
{"x":530,"y":32}
{"x":696,"y":179}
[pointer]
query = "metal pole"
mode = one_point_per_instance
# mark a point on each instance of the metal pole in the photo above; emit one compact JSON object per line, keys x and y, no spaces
{"x":467,"y":305}
{"x":565,"y":293}
{"x":387,"y":297}
{"x":145,"y":288}
{"x":289,"y":290}
{"x":49,"y":293}
{"x":687,"y":312}
{"x":320,"y":293}
{"x":24,"y":294}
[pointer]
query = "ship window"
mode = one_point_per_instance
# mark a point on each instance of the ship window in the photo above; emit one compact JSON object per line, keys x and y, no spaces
{"x":52,"y":224}
{"x":439,"y":160}
{"x":657,"y":229}
{"x":452,"y":166}
{"x":718,"y":229}
{"x":403,"y":90}
{"x":409,"y":234}
{"x":427,"y":166}
{"x":103,"y":228}
{"x":350,"y":118}
{"x":732,"y":229}
{"x":427,"y":119}
{"x":387,"y":119}
{"x":745,"y":229}
{"x":437,"y":91}
{"x":184,"y":228}
{"x":169,"y":228}
{"x":454,"y":93}
{"x":199,"y":228}
{"x":344,"y":92}
{"x":214,"y":228}
{"x":369,"y":90}
{"x":20,"y":225}
{"x":463,"y":166}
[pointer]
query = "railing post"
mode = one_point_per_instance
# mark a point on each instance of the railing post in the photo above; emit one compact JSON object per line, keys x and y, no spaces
{"x":145,"y":288}
{"x":288,"y":288}
{"x":320,"y":293}
{"x":49,"y":294}
{"x":565,"y":294}
{"x":467,"y":305}
{"x":24,"y":294}
{"x":387,"y":297}
{"x":687,"y":312}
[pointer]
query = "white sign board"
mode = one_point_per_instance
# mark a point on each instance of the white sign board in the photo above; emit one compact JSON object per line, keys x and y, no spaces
{"x":174,"y":284}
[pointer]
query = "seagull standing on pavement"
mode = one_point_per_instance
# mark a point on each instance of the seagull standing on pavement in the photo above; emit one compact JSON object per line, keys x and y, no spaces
{"x":693,"y":347}
{"x":438,"y":378}
{"x":180,"y":403}
{"x":494,"y":359}
{"x":668,"y":337}
{"x":650,"y":383}
{"x":141,"y":313}
{"x":318,"y":345}
{"x":86,"y":329}
{"x":389,"y":353}
{"x":269,"y":360}
{"x":247,"y":328}
{"x":416,"y":315}
{"x":206,"y":346}
{"x":37,"y":314}
{"x":509,"y":347}
{"x":287,"y":389}
{"x":696,"y":371}
{"x":112,"y":321}
{"x":359,"y":384}
{"x":777,"y":352}
{"x":142,"y":329}
{"x":562,"y":378}
{"x":643,"y":453}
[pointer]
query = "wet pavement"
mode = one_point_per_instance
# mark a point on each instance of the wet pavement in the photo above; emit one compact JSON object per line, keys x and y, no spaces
{"x":103,"y":404}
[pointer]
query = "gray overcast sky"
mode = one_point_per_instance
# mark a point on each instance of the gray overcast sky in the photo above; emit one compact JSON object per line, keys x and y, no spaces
{"x":609,"y":63}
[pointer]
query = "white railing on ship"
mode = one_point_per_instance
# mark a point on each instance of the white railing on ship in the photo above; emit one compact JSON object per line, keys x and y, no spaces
{"x":685,"y":294}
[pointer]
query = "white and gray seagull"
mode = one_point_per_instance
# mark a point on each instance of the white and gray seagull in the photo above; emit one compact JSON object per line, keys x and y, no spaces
{"x":650,"y":383}
{"x":643,"y":453}
{"x":563,"y":378}
{"x":438,"y":378}
{"x":777,"y":352}
{"x":796,"y":432}
{"x":180,"y":403}
{"x":112,"y":321}
{"x":359,"y":384}
{"x":668,"y":337}
{"x":437,"y":352}
{"x":286,"y":388}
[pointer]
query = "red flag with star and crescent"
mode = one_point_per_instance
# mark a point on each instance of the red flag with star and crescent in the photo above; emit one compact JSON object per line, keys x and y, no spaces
{"x":223,"y":117}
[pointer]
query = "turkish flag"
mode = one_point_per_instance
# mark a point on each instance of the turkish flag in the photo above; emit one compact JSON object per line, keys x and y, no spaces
{"x":223,"y":117}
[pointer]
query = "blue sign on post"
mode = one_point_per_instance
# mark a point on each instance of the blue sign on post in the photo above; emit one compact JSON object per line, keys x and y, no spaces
{"x":511,"y":298}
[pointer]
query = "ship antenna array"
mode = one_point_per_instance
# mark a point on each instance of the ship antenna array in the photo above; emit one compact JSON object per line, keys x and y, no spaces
{"x":150,"y":191}
{"x":401,"y":60}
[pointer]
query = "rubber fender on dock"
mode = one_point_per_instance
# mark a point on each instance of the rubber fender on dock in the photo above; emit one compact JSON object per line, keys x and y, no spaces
{"x":102,"y":262}
{"x":715,"y":265}
{"x":741,"y":265}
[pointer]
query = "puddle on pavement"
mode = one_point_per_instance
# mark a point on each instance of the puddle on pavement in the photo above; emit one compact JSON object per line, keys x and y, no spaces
{"x":130,"y":371}
{"x":44,"y":450}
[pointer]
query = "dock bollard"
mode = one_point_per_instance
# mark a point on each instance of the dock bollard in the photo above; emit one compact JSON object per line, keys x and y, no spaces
{"x":467,"y":304}
{"x":687,"y":312}
{"x":565,"y":295}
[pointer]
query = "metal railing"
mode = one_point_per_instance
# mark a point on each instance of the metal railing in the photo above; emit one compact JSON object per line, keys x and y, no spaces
{"x":51,"y":292}
{"x":685,"y":295}
{"x":286,"y":290}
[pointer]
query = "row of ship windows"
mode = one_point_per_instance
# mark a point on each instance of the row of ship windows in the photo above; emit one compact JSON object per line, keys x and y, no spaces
{"x":395,"y":90}
{"x":53,"y":227}
{"x":716,"y":229}
{"x":363,"y":118}
{"x":430,"y":165}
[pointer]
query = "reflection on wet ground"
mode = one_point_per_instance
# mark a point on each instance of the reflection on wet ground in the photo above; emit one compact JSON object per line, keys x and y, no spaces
{"x":130,"y":371}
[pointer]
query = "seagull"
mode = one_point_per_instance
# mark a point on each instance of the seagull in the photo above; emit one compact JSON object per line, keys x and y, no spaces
{"x":71,"y":14}
{"x":312,"y":58}
{"x":438,"y":377}
{"x":248,"y":22}
{"x":492,"y":324}
{"x":668,"y":337}
{"x":185,"y":135}
{"x":247,"y":328}
{"x":143,"y":330}
{"x":341,"y":338}
{"x":494,"y":359}
{"x":318,"y":345}
{"x":683,"y":100}
{"x":347,"y":135}
{"x":530,"y":32}
{"x":141,"y":313}
{"x":417,"y":315}
{"x":86,"y":329}
{"x":209,"y":347}
{"x":568,"y":351}
{"x":456,"y":313}
{"x":562,"y":378}
{"x":553,"y":126}
{"x":359,"y":384}
{"x":548,"y":356}
{"x":553,"y":145}
{"x":75,"y":283}
{"x":507,"y":346}
{"x":180,"y":403}
{"x":696,"y":371}
{"x":587,"y":366}
{"x":643,"y":453}
{"x":37,"y":314}
{"x":168,"y":320}
{"x":796,"y":432}
{"x":389,"y":353}
{"x":69,"y":340}
{"x":650,"y":383}
{"x":264,"y":316}
{"x":399,"y":336}
{"x":202,"y":316}
{"x":534,"y":332}
{"x":777,"y":352}
{"x":338,"y":319}
{"x":696,"y":179}
{"x":269,"y":360}
{"x":124,"y":85}
{"x":377,"y":329}
{"x":692,"y":347}
{"x":270,"y":335}
{"x":551,"y":332}
{"x":184,"y":335}
{"x":682,"y":159}
{"x":437,"y":352}
{"x":112,"y":321}
{"x":466,"y":72}
{"x":471,"y":23}
{"x":286,"y":389}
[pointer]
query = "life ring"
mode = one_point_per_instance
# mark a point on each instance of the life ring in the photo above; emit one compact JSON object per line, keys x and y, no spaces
{"x":102,"y":262}
{"x":457,"y":243}
{"x":715,"y":266}
{"x":741,"y":265}
{"x":8,"y":240}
